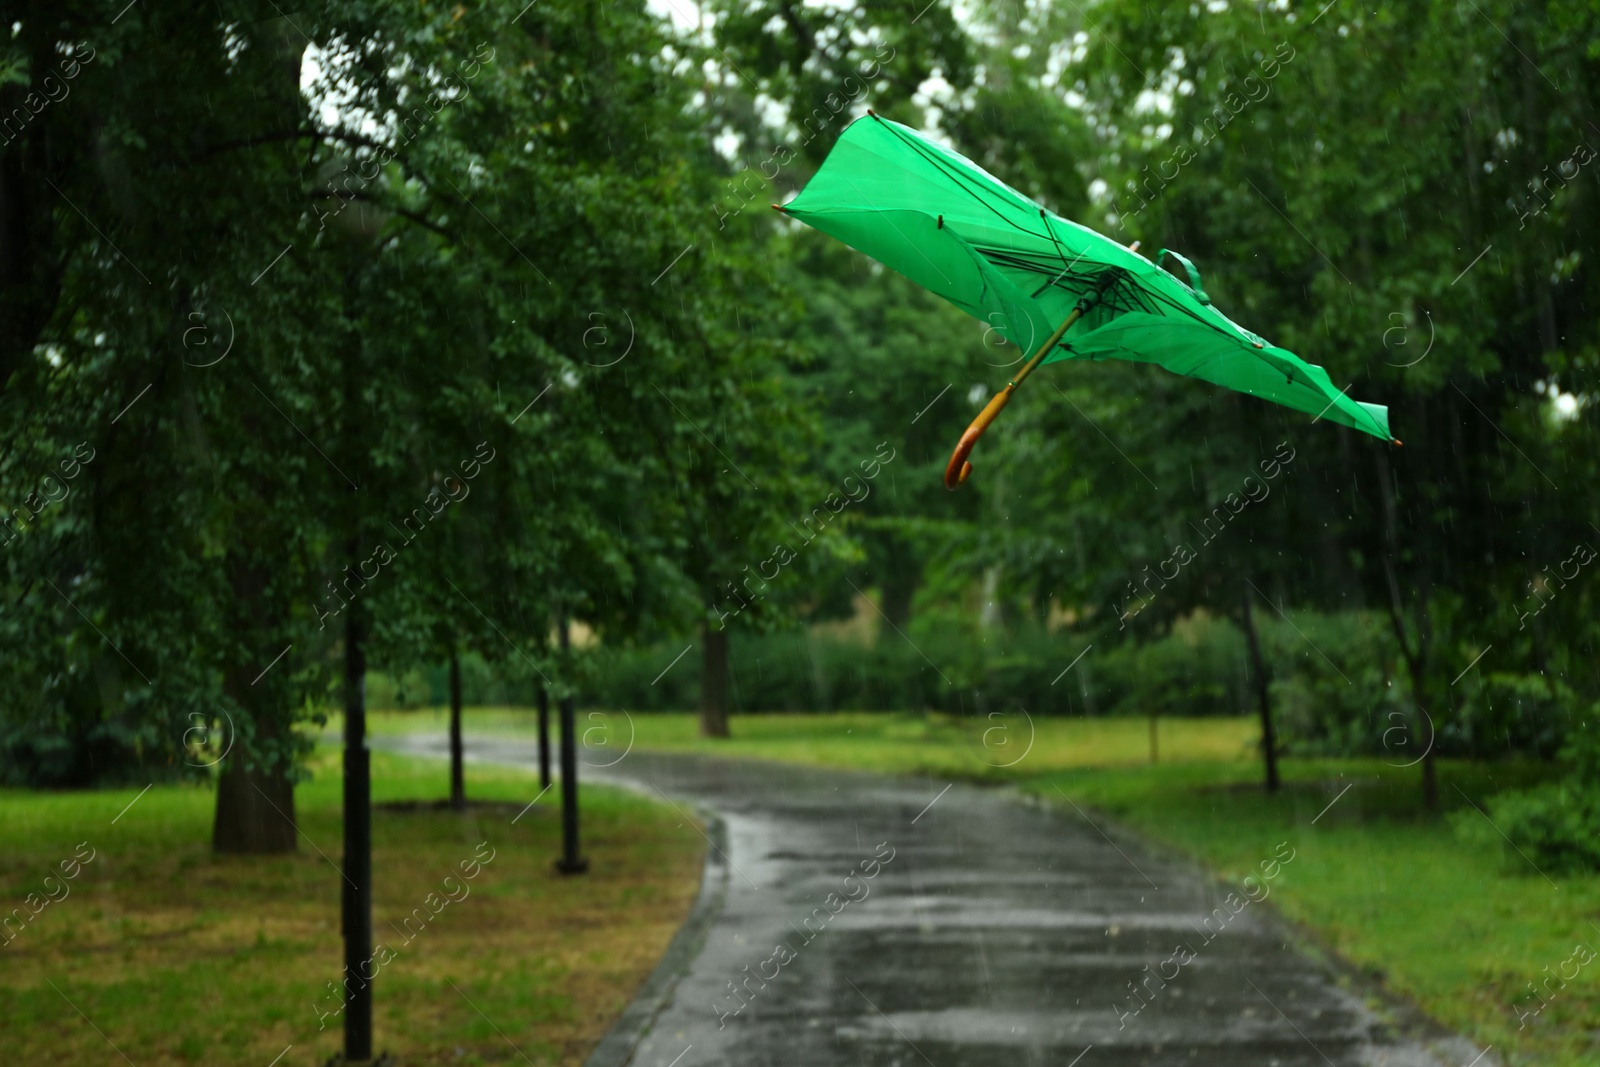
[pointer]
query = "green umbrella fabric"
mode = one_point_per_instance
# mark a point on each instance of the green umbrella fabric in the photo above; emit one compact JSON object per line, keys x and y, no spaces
{"x":952,"y":227}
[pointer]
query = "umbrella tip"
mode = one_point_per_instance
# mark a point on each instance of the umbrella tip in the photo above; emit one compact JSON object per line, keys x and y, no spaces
{"x":1134,"y":247}
{"x":1397,"y":442}
{"x":778,"y":207}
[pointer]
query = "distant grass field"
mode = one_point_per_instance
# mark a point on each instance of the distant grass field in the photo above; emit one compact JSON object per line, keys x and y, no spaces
{"x":177,"y":956}
{"x":1455,"y":926}
{"x":892,"y":743}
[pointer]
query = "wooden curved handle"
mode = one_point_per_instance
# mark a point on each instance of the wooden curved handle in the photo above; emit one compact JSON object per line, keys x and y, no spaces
{"x":955,"y":474}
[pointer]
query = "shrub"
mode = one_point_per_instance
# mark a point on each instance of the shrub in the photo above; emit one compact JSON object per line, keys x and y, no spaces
{"x":78,"y":731}
{"x":1196,"y":670}
{"x":1512,"y":712}
{"x":1555,"y":825}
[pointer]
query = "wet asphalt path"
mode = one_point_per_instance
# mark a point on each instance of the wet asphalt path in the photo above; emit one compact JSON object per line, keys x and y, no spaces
{"x":967,"y":929}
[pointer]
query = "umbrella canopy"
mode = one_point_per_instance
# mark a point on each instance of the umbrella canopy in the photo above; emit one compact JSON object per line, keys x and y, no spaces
{"x":955,"y":229}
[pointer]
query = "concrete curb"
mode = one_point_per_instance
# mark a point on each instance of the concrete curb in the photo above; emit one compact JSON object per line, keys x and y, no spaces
{"x":617,"y":1047}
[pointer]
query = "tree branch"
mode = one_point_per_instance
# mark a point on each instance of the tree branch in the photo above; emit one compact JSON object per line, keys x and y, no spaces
{"x":405,"y":213}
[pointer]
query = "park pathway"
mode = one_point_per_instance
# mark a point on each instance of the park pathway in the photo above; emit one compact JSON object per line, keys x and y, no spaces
{"x":951,"y":926}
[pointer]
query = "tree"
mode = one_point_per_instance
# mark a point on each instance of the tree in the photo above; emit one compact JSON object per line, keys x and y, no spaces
{"x":1248,"y":145}
{"x":136,"y":247}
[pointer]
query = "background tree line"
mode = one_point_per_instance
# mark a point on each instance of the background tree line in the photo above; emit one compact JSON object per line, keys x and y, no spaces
{"x":540,"y":233}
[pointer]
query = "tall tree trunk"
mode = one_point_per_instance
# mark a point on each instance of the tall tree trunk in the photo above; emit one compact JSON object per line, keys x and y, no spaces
{"x":1258,"y":668}
{"x":255,"y":797}
{"x":255,"y":794}
{"x":543,"y":696}
{"x":714,"y":682}
{"x":458,"y":785}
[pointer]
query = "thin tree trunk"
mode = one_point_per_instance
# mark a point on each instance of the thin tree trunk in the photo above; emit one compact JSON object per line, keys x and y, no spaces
{"x":543,"y":696}
{"x":1416,"y":655}
{"x":356,"y":887}
{"x":571,"y":861}
{"x":1430,"y":772}
{"x":989,"y":611}
{"x":1258,"y":667}
{"x":356,"y":864}
{"x":1430,"y":782}
{"x":714,"y":683}
{"x":899,"y":584}
{"x":458,"y":785}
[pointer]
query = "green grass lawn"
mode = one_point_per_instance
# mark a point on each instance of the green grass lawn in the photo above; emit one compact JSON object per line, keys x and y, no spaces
{"x":1456,"y":926}
{"x":893,"y":743}
{"x":178,"y":956}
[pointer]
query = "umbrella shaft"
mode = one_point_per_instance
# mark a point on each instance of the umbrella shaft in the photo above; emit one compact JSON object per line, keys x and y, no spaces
{"x":959,"y":468}
{"x":1044,"y":349}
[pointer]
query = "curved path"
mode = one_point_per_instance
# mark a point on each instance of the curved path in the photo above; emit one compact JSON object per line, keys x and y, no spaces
{"x":851,"y":919}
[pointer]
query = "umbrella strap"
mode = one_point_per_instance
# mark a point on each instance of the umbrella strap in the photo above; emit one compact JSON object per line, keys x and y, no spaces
{"x":1191,"y":269}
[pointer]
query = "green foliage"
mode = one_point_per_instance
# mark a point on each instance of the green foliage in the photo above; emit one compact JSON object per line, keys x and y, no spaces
{"x":1194,"y":672}
{"x":1353,"y":702}
{"x":82,"y":747}
{"x":461,"y":267}
{"x":1514,"y":713}
{"x":402,"y":281}
{"x":1326,"y":233}
{"x":813,"y":58}
{"x":1552,"y":825}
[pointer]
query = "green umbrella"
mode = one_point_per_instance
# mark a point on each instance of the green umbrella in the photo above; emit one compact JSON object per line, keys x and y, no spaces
{"x":958,"y":231}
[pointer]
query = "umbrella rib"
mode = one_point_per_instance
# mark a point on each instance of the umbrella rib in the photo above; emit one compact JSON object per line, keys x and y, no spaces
{"x":1306,"y":383}
{"x":1176,"y":306}
{"x":1004,"y":258}
{"x":959,"y":180}
{"x":1020,"y":261}
{"x":1288,"y":373}
{"x":1064,"y":272}
{"x":1045,"y":218}
{"x":1016,"y":261}
{"x":1136,"y":296}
